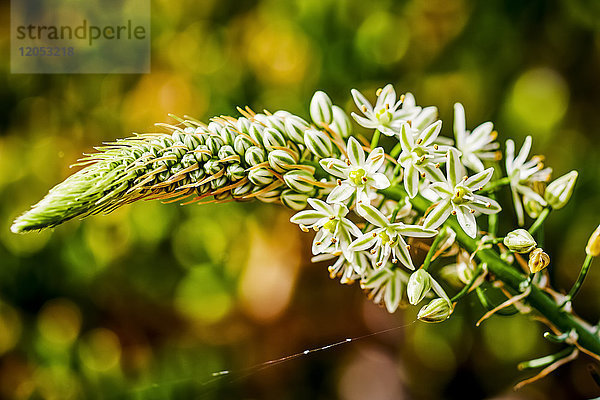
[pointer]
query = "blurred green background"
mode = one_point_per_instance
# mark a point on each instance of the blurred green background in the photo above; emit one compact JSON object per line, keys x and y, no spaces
{"x":147,"y":302}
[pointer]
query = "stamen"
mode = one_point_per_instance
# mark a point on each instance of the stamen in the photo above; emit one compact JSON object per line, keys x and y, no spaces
{"x":364,"y":108}
{"x":402,"y":98}
{"x":303,"y":228}
{"x":373,"y":251}
{"x":437,"y":165}
{"x":387,"y":106}
{"x":453,"y":212}
{"x":333,"y":240}
{"x":394,"y":260}
{"x":378,"y":92}
{"x":339,"y":182}
{"x":471,"y":211}
{"x":408,"y":247}
{"x":419,"y":141}
{"x":374,"y":234}
{"x":436,"y":147}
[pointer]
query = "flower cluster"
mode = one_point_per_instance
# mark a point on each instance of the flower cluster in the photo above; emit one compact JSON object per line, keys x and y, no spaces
{"x":367,"y":236}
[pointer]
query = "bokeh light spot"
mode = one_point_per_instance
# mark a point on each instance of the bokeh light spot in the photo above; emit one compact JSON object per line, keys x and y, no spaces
{"x":100,"y":350}
{"x":59,"y":321}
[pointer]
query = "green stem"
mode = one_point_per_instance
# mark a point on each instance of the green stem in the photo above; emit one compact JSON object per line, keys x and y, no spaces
{"x":375,"y":139}
{"x":509,"y":275}
{"x":396,"y":151}
{"x":582,"y":274}
{"x":468,"y":286}
{"x":547,"y":360}
{"x":493,"y":220}
{"x":495,"y":185}
{"x":434,"y":246}
{"x":396,"y":210}
{"x":540,"y":220}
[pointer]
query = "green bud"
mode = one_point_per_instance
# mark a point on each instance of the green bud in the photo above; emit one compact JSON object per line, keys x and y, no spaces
{"x":191,"y":141}
{"x":299,"y":180}
{"x":272,"y":138}
{"x":295,"y":127}
{"x":341,"y":122}
{"x":261,"y":176}
{"x":419,"y":284}
{"x":214,"y":143}
{"x":243,"y":125}
{"x":560,"y":190}
{"x":320,"y":108}
{"x":242,"y":190}
{"x":215,"y":128}
{"x":280,"y":160}
{"x":538,"y":260}
{"x":212,"y":167}
{"x":256,"y":130}
{"x":202,"y":154}
{"x":520,"y":241}
{"x":228,"y":135}
{"x":295,"y":201}
{"x":218,"y":183}
{"x":593,"y":245}
{"x":533,"y":208}
{"x":227,"y":151}
{"x":241,"y":144}
{"x":254,"y":155}
{"x":438,"y":310}
{"x":318,"y":143}
{"x":235,"y":172}
{"x":270,"y":196}
{"x":275,"y":122}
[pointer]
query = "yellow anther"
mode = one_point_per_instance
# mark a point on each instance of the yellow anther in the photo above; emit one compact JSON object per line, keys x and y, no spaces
{"x":378,"y":92}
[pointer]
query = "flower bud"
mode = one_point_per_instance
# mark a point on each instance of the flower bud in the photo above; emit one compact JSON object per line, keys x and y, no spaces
{"x":538,"y":260}
{"x":212,"y":167}
{"x":214,"y":143}
{"x":226,"y":152}
{"x":560,"y":190}
{"x":295,"y":201}
{"x":533,"y":208}
{"x":202,"y":154}
{"x":320,"y":108}
{"x":280,"y":160}
{"x":256,"y":130}
{"x":341,"y":122}
{"x":270,"y":197}
{"x":241,"y":144}
{"x":276,"y":122}
{"x":438,"y":310}
{"x":299,"y":180}
{"x":243,"y":125}
{"x":318,"y":143}
{"x":254,"y":155}
{"x":242,"y":190}
{"x":261,"y":176}
{"x":272,"y":138}
{"x":593,"y":245}
{"x":235,"y":172}
{"x":418,"y":286}
{"x":520,"y":241}
{"x":191,"y":141}
{"x":228,"y":135}
{"x":295,"y":127}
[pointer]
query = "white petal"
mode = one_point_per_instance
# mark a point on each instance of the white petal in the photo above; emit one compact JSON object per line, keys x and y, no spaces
{"x":401,"y":252}
{"x":480,"y":136}
{"x":308,"y":217}
{"x":364,"y":242}
{"x":467,"y":221}
{"x":430,"y":133}
{"x":493,"y":208}
{"x":524,"y":152}
{"x":510,"y":155}
{"x":340,"y":193}
{"x":438,"y":215}
{"x":372,"y":215}
{"x":380,"y":181}
{"x":479,"y":180}
{"x":375,"y":160}
{"x":356,"y":154}
{"x":411,"y":181}
{"x":365,"y":122}
{"x":335,"y":167}
{"x":414,"y":230}
{"x":361,"y":101}
{"x":387,"y":96}
{"x":321,"y":206}
{"x":393,"y":294}
{"x":459,"y":124}
{"x":406,"y":138}
{"x":454,"y":169}
{"x":471,"y":161}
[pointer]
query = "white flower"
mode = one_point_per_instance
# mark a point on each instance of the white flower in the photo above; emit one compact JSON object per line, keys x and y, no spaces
{"x":349,"y":266}
{"x":387,"y":239}
{"x":334,"y":231}
{"x":477,"y":145}
{"x":387,"y":115}
{"x":457,"y":197}
{"x":385,"y":285}
{"x":523,"y":174}
{"x":359,"y":176}
{"x":420,"y":156}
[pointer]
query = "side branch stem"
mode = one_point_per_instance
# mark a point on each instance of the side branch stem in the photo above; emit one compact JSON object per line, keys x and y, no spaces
{"x":538,"y":299}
